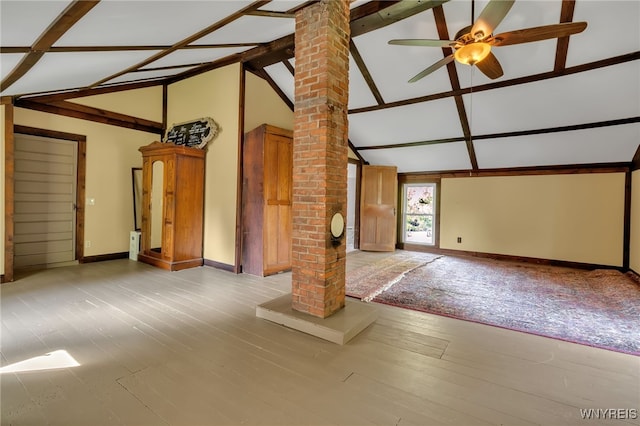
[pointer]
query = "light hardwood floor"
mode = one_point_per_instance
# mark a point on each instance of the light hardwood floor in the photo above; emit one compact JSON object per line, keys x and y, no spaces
{"x":185,"y":348}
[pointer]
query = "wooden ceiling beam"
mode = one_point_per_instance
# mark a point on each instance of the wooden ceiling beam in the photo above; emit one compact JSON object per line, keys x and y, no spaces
{"x":562,"y":169}
{"x":72,"y":14}
{"x":97,"y":115}
{"x":355,"y":54}
{"x":378,"y":14}
{"x":566,"y":15}
{"x":82,"y":92}
{"x":635,"y":162}
{"x":584,"y":126}
{"x":269,"y":54}
{"x":443,"y":33}
{"x":74,"y":49}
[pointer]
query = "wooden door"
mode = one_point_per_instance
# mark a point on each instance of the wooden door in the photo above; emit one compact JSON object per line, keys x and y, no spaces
{"x":379,"y":197}
{"x":45,"y":197}
{"x":278,"y":167}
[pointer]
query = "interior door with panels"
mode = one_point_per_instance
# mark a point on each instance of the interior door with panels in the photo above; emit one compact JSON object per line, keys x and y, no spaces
{"x":378,"y":201}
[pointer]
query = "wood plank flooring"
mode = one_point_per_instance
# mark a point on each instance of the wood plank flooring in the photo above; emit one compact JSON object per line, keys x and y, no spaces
{"x":185,"y":348}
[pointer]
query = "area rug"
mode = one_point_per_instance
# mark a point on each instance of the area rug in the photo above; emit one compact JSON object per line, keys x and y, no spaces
{"x":366,"y":282}
{"x":599,"y":308}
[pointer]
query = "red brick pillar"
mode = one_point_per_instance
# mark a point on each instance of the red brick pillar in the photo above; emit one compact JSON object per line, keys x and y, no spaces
{"x":320,"y":150}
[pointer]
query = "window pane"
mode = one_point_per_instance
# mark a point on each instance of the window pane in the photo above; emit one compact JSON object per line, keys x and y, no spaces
{"x":419,"y":200}
{"x":419,"y":229}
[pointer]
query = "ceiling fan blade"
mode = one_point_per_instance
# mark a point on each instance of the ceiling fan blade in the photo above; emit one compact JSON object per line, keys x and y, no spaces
{"x":490,"y":17}
{"x":490,"y":67}
{"x":545,"y":32}
{"x":442,"y":62}
{"x":423,"y":42}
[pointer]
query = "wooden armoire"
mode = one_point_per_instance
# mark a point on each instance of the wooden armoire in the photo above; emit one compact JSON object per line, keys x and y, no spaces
{"x":266,"y":200}
{"x":172,"y":206}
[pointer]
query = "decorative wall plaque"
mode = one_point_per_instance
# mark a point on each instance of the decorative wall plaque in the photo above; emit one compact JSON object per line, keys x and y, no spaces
{"x":195,"y":134}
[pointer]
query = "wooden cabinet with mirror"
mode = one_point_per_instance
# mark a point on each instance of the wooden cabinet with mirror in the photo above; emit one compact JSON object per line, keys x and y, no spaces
{"x":172,"y":206}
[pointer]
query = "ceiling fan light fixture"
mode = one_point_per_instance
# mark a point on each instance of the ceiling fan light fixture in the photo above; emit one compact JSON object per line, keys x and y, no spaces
{"x":472,"y":53}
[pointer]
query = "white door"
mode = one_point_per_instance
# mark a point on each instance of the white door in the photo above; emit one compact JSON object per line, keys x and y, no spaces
{"x":45,"y":196}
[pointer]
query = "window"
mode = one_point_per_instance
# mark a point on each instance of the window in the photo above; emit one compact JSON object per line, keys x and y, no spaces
{"x":419,"y":213}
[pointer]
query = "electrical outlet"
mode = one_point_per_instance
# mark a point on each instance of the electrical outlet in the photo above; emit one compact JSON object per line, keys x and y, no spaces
{"x":87,"y":244}
{"x":459,"y":239}
{"x":91,"y":201}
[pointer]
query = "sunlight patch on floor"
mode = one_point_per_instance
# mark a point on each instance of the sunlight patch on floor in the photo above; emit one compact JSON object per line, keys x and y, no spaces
{"x":50,"y":361}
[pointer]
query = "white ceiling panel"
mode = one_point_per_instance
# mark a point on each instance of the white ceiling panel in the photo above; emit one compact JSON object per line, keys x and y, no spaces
{"x":22,"y":22}
{"x":426,"y":158}
{"x":146,"y":75}
{"x":392,"y":66}
{"x":527,"y":14}
{"x":8,"y":62}
{"x":602,"y":94}
{"x":283,"y":78}
{"x":194,"y":56}
{"x":599,"y":145}
{"x":251,"y":29}
{"x":410,"y":123}
{"x":613,"y":29}
{"x":281,"y":5}
{"x":73,"y":70}
{"x":359,"y":93}
{"x":140,"y":23}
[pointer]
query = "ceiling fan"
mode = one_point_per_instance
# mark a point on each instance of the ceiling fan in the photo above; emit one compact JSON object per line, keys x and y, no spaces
{"x":472,"y":44}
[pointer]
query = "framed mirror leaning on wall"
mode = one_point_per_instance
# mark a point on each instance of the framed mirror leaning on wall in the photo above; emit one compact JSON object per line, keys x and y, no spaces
{"x":136,"y":181}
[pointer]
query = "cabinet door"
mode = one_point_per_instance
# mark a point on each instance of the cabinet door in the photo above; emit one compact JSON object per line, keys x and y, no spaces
{"x":278,"y":168}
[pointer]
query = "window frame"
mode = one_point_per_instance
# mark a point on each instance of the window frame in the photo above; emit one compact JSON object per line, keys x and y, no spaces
{"x":434,"y":215}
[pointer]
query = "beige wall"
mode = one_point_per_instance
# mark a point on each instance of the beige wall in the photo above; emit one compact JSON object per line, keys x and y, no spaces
{"x":214,"y":94}
{"x":142,"y":103}
{"x":634,"y":253}
{"x":263,"y":105}
{"x":578,"y":218}
{"x":111,"y":153}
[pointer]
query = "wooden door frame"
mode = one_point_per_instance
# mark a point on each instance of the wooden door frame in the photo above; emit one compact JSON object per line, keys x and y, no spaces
{"x":7,"y":275}
{"x":81,"y":143}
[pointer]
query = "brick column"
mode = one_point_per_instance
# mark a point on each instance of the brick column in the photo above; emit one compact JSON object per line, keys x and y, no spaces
{"x":320,"y":150}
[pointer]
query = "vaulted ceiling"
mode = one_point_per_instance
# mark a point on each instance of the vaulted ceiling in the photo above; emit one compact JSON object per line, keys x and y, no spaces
{"x":563,"y":101}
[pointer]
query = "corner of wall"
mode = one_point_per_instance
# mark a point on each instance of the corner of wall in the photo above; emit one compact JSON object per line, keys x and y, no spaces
{"x":215,"y":94}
